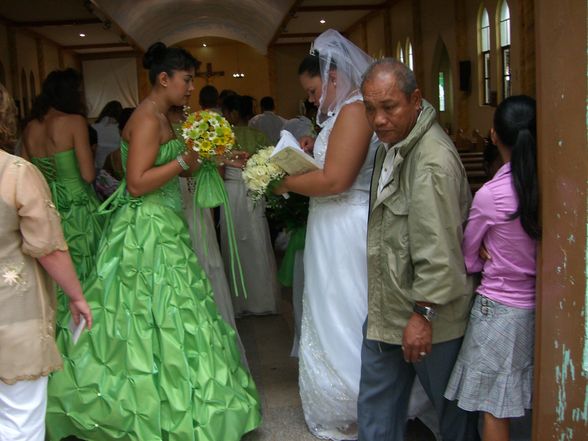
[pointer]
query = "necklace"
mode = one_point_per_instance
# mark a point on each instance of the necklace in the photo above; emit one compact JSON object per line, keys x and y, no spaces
{"x":162,"y":115}
{"x":156,"y":107}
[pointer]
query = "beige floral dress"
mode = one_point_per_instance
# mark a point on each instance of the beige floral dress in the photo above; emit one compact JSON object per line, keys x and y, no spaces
{"x":29,"y":228}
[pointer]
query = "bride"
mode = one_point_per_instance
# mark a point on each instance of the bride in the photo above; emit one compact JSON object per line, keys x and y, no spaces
{"x":335,"y":293}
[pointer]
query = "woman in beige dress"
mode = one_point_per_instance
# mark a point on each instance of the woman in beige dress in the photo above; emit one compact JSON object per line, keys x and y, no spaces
{"x":31,"y":248}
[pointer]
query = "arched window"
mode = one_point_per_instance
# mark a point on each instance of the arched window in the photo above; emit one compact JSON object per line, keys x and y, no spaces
{"x":400,"y":52}
{"x":484,"y":50}
{"x":33,"y":87}
{"x":409,"y":54}
{"x":504,"y":27}
{"x":442,"y":86}
{"x":442,"y":79}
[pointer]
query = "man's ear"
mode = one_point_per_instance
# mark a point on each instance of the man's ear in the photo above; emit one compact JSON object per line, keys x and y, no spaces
{"x":416,"y":98}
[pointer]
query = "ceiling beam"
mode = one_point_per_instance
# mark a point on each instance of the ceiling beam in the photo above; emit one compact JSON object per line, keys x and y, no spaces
{"x":369,"y":16}
{"x":39,"y":24}
{"x":294,"y":43}
{"x":96,"y":46}
{"x":300,"y":35}
{"x":31,"y":32}
{"x":104,"y":55}
{"x":296,"y":7}
{"x":340,"y":8}
{"x":101,"y":13}
{"x":291,"y":13}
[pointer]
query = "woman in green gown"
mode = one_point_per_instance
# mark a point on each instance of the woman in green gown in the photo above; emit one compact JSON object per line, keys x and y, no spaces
{"x":159,"y":363}
{"x":56,"y":141}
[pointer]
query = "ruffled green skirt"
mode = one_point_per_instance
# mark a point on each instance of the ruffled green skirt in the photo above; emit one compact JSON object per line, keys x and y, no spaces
{"x":159,"y":363}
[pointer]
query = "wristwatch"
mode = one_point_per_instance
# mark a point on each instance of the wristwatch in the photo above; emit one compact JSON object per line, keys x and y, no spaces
{"x":426,"y":311}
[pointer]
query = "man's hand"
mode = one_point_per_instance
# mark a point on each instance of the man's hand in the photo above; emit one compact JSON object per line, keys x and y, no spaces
{"x":417,"y":338}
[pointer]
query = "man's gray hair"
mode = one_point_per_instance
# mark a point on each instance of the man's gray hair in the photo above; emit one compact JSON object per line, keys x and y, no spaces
{"x":405,"y":78}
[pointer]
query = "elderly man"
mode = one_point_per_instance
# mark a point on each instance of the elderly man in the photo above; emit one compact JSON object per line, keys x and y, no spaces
{"x":418,"y":291}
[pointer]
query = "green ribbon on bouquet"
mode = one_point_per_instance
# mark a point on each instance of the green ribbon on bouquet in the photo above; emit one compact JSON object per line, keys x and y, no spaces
{"x":210,"y":192}
{"x":296,"y":243}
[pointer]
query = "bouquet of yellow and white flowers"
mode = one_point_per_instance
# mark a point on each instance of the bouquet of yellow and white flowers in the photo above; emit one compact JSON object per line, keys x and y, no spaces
{"x":260,"y":175}
{"x":209,"y":134}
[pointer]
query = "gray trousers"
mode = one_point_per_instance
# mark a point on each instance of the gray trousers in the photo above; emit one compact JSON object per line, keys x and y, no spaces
{"x":384,"y":391}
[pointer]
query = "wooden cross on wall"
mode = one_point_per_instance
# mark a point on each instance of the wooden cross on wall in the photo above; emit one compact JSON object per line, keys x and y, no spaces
{"x":210,"y":73}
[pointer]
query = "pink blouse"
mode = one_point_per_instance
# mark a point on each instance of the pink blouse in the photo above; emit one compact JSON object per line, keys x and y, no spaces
{"x":509,"y":276}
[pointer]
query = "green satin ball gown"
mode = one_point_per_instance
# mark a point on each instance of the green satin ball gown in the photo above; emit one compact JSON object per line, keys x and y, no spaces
{"x":77,"y":204}
{"x":159,"y":362}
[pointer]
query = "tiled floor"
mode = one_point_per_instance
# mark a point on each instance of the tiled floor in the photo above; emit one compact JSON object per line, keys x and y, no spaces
{"x":268,"y":342}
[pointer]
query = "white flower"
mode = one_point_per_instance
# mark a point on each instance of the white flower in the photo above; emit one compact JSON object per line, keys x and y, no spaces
{"x":259,"y":173}
{"x":12,"y":277}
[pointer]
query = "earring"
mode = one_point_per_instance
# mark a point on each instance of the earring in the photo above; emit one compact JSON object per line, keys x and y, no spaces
{"x":334,"y":83}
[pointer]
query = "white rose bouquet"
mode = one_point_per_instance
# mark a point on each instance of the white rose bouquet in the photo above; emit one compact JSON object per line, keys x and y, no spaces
{"x":261,"y":175}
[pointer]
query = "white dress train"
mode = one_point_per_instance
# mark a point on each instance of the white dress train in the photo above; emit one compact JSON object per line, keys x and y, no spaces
{"x":209,"y":256}
{"x":334,"y":302}
{"x":297,"y":293}
{"x":255,"y":250}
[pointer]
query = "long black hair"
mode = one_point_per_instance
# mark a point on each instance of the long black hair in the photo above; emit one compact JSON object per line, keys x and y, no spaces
{"x":62,"y":90}
{"x":160,"y":58}
{"x":112,"y":109}
{"x":515,"y":126}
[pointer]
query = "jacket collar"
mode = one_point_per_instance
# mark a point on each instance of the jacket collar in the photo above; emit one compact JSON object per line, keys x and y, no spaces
{"x":424,"y":122}
{"x":426,"y":119}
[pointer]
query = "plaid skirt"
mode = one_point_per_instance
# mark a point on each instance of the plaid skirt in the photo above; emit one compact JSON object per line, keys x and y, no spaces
{"x":494,"y":370}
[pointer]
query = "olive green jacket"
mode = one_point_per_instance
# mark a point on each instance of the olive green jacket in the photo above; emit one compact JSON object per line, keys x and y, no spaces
{"x":415,"y":231}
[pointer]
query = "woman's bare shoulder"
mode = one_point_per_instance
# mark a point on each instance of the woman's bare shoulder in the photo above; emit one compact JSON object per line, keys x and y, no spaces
{"x":144,"y":120}
{"x":352,"y":116}
{"x":352,"y":108}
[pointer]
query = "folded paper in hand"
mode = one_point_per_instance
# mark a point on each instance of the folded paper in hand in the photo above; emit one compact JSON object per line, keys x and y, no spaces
{"x":76,"y":330}
{"x":290,"y":157}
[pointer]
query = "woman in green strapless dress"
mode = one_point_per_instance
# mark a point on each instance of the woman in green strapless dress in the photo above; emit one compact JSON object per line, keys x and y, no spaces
{"x":56,"y":141}
{"x":159,"y":362}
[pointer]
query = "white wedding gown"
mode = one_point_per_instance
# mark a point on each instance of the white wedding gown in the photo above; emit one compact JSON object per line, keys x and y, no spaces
{"x":334,"y":302}
{"x":255,"y":250}
{"x":209,"y":256}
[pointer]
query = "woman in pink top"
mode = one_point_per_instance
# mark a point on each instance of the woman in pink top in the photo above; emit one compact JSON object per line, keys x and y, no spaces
{"x":494,"y":371}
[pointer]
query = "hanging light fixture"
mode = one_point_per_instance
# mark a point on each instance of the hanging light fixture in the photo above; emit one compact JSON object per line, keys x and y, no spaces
{"x":238,"y":74}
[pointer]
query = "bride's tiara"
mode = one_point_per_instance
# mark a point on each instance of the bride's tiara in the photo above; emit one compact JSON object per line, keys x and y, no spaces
{"x":312,"y":50}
